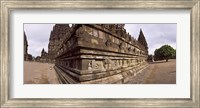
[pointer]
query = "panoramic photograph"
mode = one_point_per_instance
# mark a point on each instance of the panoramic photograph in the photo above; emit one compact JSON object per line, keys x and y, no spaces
{"x":139,"y":53}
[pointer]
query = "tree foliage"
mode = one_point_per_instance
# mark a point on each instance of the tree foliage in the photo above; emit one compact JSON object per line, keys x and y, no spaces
{"x":165,"y":52}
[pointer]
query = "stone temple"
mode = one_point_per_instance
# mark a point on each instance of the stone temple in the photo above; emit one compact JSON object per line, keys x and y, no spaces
{"x":43,"y":58}
{"x":93,"y":53}
{"x":27,"y":57}
{"x":97,"y":53}
{"x":57,"y":36}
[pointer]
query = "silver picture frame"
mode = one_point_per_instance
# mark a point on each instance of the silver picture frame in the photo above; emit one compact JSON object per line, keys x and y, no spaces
{"x":9,"y":5}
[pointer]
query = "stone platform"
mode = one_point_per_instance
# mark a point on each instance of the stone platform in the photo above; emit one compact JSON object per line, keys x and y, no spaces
{"x":116,"y":76}
{"x":100,"y":54}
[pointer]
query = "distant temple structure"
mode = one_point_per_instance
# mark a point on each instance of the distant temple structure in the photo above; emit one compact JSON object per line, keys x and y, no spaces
{"x":142,"y":40}
{"x":27,"y":57}
{"x":57,"y":36}
{"x":96,"y":53}
{"x":43,"y":58}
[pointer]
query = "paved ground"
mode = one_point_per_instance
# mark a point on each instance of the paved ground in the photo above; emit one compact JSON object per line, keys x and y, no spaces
{"x":39,"y":73}
{"x":159,"y":72}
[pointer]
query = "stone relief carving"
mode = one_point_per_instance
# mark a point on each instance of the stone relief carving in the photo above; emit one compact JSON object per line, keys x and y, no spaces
{"x":112,"y":28}
{"x":90,"y":65}
{"x":116,"y":63}
{"x":106,"y":26}
{"x":108,"y":42}
{"x":98,"y":65}
{"x":95,"y":65}
{"x":129,"y":49}
{"x":121,"y":45}
{"x":108,"y":63}
{"x":104,"y":63}
{"x":80,"y":31}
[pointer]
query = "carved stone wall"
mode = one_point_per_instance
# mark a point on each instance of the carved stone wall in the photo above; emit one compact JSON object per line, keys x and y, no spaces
{"x":57,"y":36}
{"x":99,"y":53}
{"x":27,"y":57}
{"x":44,"y":56}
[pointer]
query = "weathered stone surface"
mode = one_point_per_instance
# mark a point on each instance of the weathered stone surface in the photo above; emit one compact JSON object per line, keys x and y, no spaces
{"x":57,"y":36}
{"x":43,"y":58}
{"x":27,"y":57}
{"x":142,"y":40}
{"x":100,"y":53}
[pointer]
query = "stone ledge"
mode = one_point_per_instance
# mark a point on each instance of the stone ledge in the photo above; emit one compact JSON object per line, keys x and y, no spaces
{"x":108,"y":77}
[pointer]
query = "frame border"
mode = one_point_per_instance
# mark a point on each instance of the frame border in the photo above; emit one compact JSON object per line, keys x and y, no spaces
{"x":6,"y":6}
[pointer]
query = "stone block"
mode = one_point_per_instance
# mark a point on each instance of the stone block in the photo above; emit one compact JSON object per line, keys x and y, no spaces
{"x":100,"y":54}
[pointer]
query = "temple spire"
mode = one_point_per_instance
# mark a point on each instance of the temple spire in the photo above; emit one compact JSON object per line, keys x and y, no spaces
{"x":43,"y":50}
{"x":25,"y":45}
{"x":42,"y":53}
{"x":142,"y":39}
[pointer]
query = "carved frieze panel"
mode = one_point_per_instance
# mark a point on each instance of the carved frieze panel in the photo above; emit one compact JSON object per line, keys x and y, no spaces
{"x":106,"y":26}
{"x":98,"y":65}
{"x":108,"y":42}
{"x":101,"y":35}
{"x":121,"y":45}
{"x":95,"y":65}
{"x":108,"y":63}
{"x":80,"y":31}
{"x":95,"y":33}
{"x":105,"y":52}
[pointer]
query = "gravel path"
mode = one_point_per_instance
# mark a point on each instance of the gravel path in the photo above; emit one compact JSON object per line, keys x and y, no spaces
{"x":39,"y":73}
{"x":159,"y":72}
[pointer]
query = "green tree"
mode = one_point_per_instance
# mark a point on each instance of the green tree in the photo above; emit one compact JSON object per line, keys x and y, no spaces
{"x":165,"y":52}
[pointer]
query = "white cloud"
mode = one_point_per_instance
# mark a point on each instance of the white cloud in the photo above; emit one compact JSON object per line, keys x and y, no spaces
{"x":37,"y":37}
{"x":155,"y":34}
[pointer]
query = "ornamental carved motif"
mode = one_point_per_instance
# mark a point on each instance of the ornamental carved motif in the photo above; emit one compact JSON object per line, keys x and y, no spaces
{"x":121,"y":45}
{"x":108,"y":43}
{"x":80,"y":32}
{"x":94,"y":65}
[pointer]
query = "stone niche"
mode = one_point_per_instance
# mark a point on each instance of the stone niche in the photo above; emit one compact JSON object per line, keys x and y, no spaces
{"x":99,"y":54}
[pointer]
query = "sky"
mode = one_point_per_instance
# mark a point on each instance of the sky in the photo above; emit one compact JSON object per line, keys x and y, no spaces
{"x":156,"y":35}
